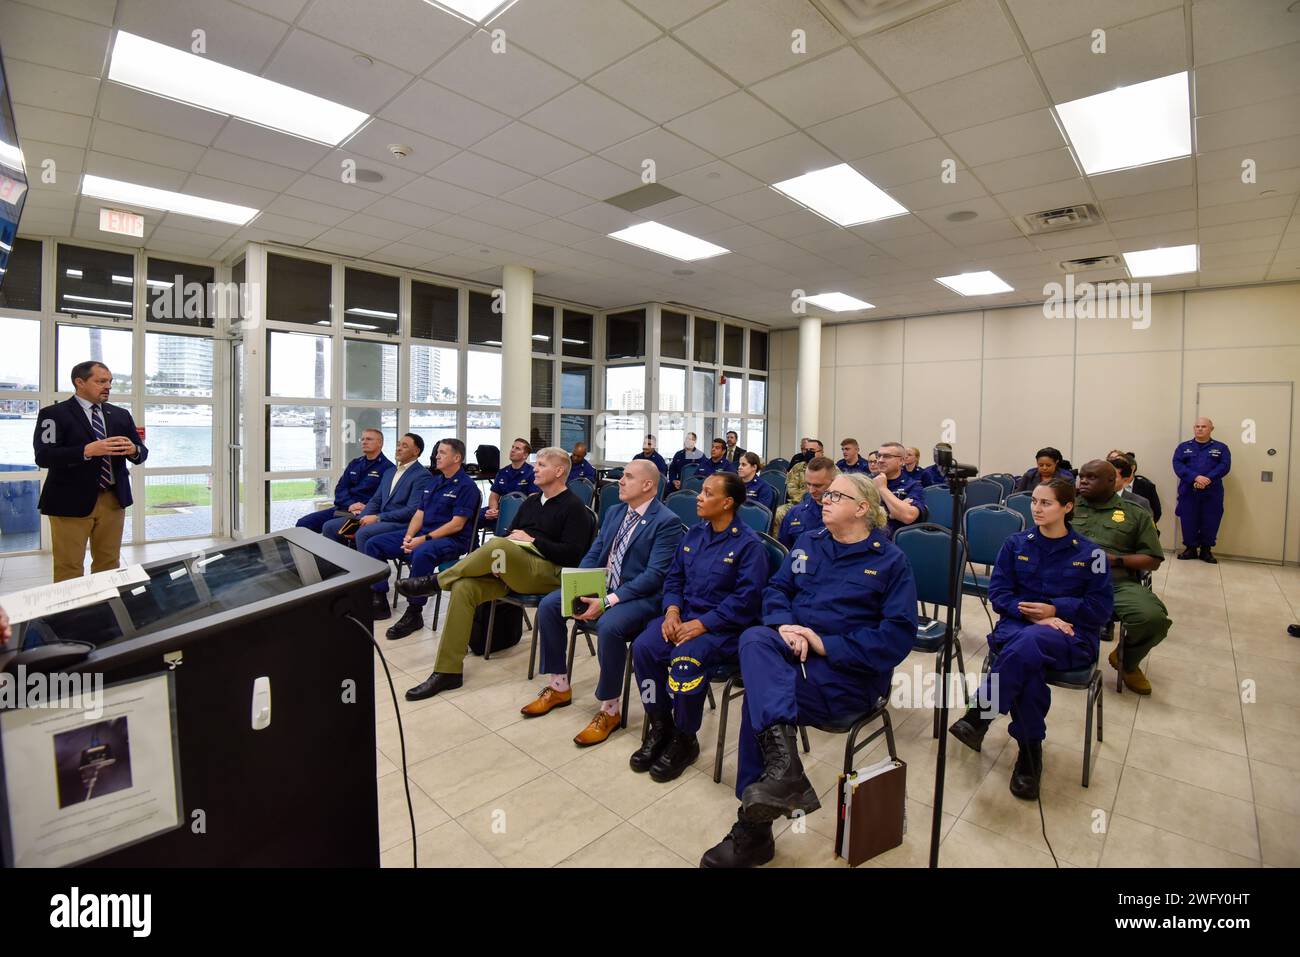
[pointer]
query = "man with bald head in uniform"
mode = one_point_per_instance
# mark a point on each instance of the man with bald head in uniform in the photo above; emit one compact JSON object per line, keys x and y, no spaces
{"x":1200,"y":465}
{"x":1127,"y":533}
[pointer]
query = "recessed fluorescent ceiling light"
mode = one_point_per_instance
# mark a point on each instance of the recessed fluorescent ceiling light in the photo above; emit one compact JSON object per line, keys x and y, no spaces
{"x":198,"y":81}
{"x":12,"y":157}
{"x":837,"y":302}
{"x":974,"y":283}
{"x":667,"y":241}
{"x":1132,"y":126}
{"x":1169,"y":261}
{"x":151,"y":198}
{"x":477,"y":11}
{"x":842,"y":195}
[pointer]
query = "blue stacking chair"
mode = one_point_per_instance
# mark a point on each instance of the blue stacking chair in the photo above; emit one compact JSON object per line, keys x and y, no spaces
{"x":926,"y":547}
{"x":1019,"y":502}
{"x":405,"y":563}
{"x":688,"y":471}
{"x":1005,"y":479}
{"x":938,"y":505}
{"x":692,"y":484}
{"x":774,"y":478}
{"x":682,"y":504}
{"x":982,"y":492}
{"x":756,"y":515}
{"x":585,"y":491}
{"x":608,"y":499}
{"x":779,"y":463}
{"x":987,"y":527}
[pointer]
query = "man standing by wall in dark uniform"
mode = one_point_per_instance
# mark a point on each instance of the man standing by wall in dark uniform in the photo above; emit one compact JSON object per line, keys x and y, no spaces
{"x":1200,"y":464}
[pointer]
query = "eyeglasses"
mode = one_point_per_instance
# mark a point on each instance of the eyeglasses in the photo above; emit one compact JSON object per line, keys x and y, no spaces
{"x":888,"y":455}
{"x":835,"y":496}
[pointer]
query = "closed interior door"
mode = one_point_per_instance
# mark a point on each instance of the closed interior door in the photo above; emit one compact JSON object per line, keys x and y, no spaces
{"x":1255,"y":491}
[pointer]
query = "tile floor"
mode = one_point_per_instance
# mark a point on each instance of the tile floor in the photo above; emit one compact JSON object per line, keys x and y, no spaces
{"x":1204,"y":773}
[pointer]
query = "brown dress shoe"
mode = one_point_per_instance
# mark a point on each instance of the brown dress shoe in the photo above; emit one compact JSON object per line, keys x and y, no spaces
{"x":546,"y":701}
{"x":1134,"y":680}
{"x":601,"y":727}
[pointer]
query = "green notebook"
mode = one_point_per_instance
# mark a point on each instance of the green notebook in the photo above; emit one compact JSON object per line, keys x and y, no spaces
{"x":580,"y":581}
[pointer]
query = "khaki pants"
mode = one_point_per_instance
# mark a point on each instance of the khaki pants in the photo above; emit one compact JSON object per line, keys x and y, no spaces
{"x":102,"y":528}
{"x":472,"y":581}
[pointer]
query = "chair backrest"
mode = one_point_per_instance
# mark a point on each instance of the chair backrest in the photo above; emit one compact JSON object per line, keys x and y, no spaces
{"x":938,"y":505}
{"x":926,"y":547}
{"x":1020,"y":503}
{"x":983,"y":492}
{"x":608,"y":499}
{"x":987,"y":527}
{"x":682,"y":504}
{"x":773,"y":478}
{"x":776,"y":553}
{"x":584,"y":490}
{"x":1005,"y":479}
{"x":593,"y":527}
{"x":778,"y":463}
{"x":692,"y":484}
{"x":756,"y":515}
{"x":508,"y":508}
{"x":688,"y":470}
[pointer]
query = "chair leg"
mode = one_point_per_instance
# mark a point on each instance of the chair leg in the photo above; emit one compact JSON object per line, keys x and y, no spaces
{"x":708,"y":693}
{"x":590,"y":646}
{"x":532,"y":657}
{"x":487,"y":640}
{"x":1101,"y":700}
{"x":803,"y":733}
{"x":627,"y":687}
{"x":722,"y":730}
{"x":1094,"y":688}
{"x":1119,"y":656}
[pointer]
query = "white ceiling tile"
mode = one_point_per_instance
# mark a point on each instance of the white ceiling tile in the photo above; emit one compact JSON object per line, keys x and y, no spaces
{"x":1220,"y":31}
{"x":1268,"y":156}
{"x":1269,"y":208}
{"x":1052,"y":196}
{"x":341,"y":162}
{"x":875,"y":129}
{"x":1083,"y":238}
{"x":783,"y":158}
{"x":48,"y":200}
{"x":949,"y":42}
{"x":579,"y":36}
{"x":731,"y":124}
{"x":1256,"y":245}
{"x":824,"y":89}
{"x":122,"y":141}
{"x":936,"y":216}
{"x":797,"y":222}
{"x":1248,"y":124}
{"x":1226,"y":277}
{"x":44,"y":37}
{"x":141,"y":111}
{"x":228,"y":192}
{"x":51,"y":126}
{"x":233,"y":34}
{"x":400,"y":254}
{"x":1145,"y":225}
{"x":751,"y":39}
{"x":307,"y":62}
{"x":1003,"y":139}
{"x":545,"y":197}
{"x":928,"y":242}
{"x":1036,"y":169}
{"x":738,"y":237}
{"x":596,"y":177}
{"x":756,"y":204}
{"x":97,"y":11}
{"x":602,"y":218}
{"x":45,"y":223}
{"x":133,"y":171}
{"x":1220,"y":191}
{"x":662,"y":80}
{"x":1251,"y":229}
{"x":993,"y":93}
{"x":410,"y":34}
{"x":406,"y":212}
{"x":270,"y":146}
{"x":712,"y":182}
{"x":1150,"y":204}
{"x":34,"y":85}
{"x":240,"y":169}
{"x":373,"y":140}
{"x":331,"y":192}
{"x":437,"y":112}
{"x":346,"y":243}
{"x":831,"y":240}
{"x":1250,"y":79}
{"x":908,"y":164}
{"x":1144,"y":179}
{"x":528,"y":149}
{"x":306,"y":209}
{"x":1135,"y":52}
{"x":479,"y":174}
{"x":936,"y":192}
{"x":513,"y":82}
{"x":506,"y":215}
{"x":435,"y":242}
{"x":300,"y":229}
{"x":375,"y":226}
{"x":1044,"y":23}
{"x":977,"y":232}
{"x":559,"y":232}
{"x":896,"y":227}
{"x":700,"y":220}
{"x":671,"y":154}
{"x":207,"y":227}
{"x":588,"y":119}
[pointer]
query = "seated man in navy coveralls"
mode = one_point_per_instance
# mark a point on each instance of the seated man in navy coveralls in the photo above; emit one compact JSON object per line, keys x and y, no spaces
{"x":715,"y":462}
{"x":712,"y":593}
{"x":515,"y":477}
{"x":1051,"y":587}
{"x":807,"y":515}
{"x":901,"y":494}
{"x":579,"y":467}
{"x":837,"y":619}
{"x":357,"y":483}
{"x":649,"y":454}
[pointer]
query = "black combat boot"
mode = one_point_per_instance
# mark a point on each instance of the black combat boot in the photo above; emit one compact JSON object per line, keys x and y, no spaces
{"x":970,"y":728}
{"x":681,"y":753}
{"x":659,"y":731}
{"x":783,"y":788}
{"x":1028,"y":770}
{"x":748,"y":845}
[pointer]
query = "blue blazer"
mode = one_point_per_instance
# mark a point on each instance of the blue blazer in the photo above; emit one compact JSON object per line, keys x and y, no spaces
{"x":401,"y":504}
{"x":60,"y":440}
{"x":648,"y":557}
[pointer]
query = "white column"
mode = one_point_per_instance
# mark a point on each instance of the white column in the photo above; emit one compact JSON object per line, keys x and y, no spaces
{"x":516,"y":354}
{"x":808,"y":386}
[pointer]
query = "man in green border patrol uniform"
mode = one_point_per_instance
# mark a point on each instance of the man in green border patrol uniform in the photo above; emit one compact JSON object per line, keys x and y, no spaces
{"x":1132,"y":544}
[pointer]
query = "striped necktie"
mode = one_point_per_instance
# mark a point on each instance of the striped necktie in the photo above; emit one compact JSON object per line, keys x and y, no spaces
{"x":105,"y":463}
{"x":613,"y":578}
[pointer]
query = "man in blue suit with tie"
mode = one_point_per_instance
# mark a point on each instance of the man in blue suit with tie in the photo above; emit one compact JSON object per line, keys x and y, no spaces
{"x":85,"y":444}
{"x":636,"y":546}
{"x":391,"y":506}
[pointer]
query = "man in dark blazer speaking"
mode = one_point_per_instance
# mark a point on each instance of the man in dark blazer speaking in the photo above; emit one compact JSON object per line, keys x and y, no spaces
{"x":85,"y":443}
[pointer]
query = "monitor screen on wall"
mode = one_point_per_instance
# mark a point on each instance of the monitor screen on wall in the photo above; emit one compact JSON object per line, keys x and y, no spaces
{"x":13,"y":175}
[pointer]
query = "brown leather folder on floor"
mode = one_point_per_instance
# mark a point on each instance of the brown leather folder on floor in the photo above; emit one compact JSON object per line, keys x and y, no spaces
{"x":871,"y":811}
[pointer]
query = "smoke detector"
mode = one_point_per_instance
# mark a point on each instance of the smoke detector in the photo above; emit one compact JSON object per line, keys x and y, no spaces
{"x":400,"y":150}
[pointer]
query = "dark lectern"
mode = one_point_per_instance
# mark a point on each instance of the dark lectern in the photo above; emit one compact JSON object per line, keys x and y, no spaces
{"x":272,"y":715}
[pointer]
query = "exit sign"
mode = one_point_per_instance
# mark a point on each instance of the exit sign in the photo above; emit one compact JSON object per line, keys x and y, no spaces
{"x":120,"y":221}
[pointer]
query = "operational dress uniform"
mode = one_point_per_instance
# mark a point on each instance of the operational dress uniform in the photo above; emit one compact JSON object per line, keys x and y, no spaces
{"x":1072,"y":574}
{"x":357,"y":483}
{"x":800,"y":519}
{"x":860,"y":599}
{"x":1121,"y":526}
{"x":931,"y":475}
{"x":1200,"y":510}
{"x":444,"y":499}
{"x":654,"y":457}
{"x":756,"y":490}
{"x":511,"y":479}
{"x":859,"y":466}
{"x":709,"y":467}
{"x":718,"y":578}
{"x":908,"y":489}
{"x":579,"y":470}
{"x":680,"y":459}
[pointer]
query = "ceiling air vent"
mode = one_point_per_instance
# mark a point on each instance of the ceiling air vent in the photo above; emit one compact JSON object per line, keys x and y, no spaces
{"x":858,"y":17}
{"x":1089,"y":262}
{"x":650,"y":195}
{"x":1067,"y":217}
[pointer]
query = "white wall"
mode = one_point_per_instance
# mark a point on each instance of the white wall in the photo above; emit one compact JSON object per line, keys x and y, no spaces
{"x":1013,"y":381}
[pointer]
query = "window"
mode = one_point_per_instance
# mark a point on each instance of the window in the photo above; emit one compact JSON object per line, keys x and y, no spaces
{"x":543,"y":387}
{"x":432,"y":425}
{"x":369,"y":370}
{"x":288,"y":500}
{"x":299,"y":365}
{"x":17,"y":423}
{"x":356,"y":420}
{"x":94,"y":282}
{"x":623,"y":435}
{"x":543,"y":328}
{"x":672,"y":335}
{"x":706,"y":340}
{"x":540,"y":430}
{"x":758,"y":350}
{"x":733,"y":345}
{"x":297,"y":438}
{"x":625,"y":335}
{"x":625,"y":388}
{"x":433,"y":312}
{"x":704,"y":391}
{"x":575,"y":386}
{"x":482,"y":428}
{"x":21,"y":529}
{"x":577,"y":334}
{"x":433,"y":374}
{"x":733,"y":395}
{"x":177,"y":365}
{"x":370,"y":301}
{"x":180,"y":293}
{"x":20,"y":282}
{"x":297,"y":291}
{"x":20,"y":359}
{"x":177,"y":506}
{"x":757,"y":438}
{"x":109,"y":346}
{"x":239,"y":276}
{"x":484,"y":323}
{"x":575,"y":429}
{"x":178,"y":436}
{"x":483,"y":378}
{"x":672,"y":389}
{"x":757,"y":396}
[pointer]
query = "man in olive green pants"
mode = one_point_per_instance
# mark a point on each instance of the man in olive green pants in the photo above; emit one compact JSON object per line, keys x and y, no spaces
{"x":1127,"y":533}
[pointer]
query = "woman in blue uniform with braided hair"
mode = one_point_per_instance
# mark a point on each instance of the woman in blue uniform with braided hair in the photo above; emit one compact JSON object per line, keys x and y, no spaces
{"x":756,"y":490}
{"x":1052,"y":588}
